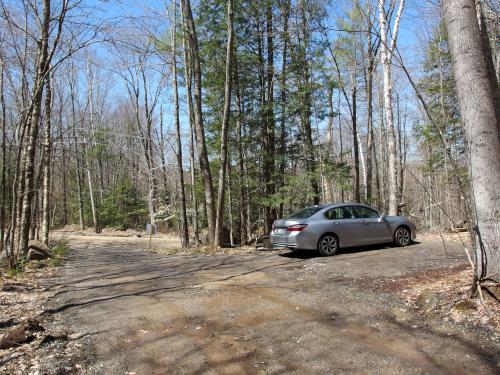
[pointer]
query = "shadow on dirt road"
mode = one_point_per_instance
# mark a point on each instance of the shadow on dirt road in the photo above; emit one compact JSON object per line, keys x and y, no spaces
{"x":146,"y":313}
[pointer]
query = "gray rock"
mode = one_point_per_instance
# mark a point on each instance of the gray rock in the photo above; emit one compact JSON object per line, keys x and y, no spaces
{"x":38,"y":245}
{"x":204,"y":239}
{"x":34,"y":254}
{"x":38,"y":250}
{"x":428,"y":300}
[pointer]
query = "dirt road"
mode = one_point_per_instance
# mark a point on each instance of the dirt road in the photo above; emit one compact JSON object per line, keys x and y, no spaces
{"x":294,"y":313}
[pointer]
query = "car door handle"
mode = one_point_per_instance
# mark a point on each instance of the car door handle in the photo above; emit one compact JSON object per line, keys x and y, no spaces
{"x":336,"y":223}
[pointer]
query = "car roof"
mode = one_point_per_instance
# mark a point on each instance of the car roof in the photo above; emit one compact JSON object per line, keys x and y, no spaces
{"x":347,"y":204}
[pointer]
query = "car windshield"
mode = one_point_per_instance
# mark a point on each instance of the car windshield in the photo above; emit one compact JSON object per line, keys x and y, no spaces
{"x":304,"y":214}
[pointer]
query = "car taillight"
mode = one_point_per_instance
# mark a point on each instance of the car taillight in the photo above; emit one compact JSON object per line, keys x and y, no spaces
{"x":296,"y":228}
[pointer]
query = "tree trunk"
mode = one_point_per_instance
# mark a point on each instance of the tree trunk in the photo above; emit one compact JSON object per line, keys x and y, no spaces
{"x":198,"y":115}
{"x":162,"y":157}
{"x":3,"y":171}
{"x":267,"y":110}
{"x":283,"y":97}
{"x":331,"y":141}
{"x":184,"y":221}
{"x":357,"y":194}
{"x":240,"y":158}
{"x":63,"y":162}
{"x":341,"y":153}
{"x":307,"y":105}
{"x":76,"y":139}
{"x":192,"y":138}
{"x":33,"y":126}
{"x":490,"y":57}
{"x":369,"y":100}
{"x":219,"y":223}
{"x":90,"y":98}
{"x":387,"y":48}
{"x":46,"y":165}
{"x":230,"y":205}
{"x":95,"y":217}
{"x":477,"y":100}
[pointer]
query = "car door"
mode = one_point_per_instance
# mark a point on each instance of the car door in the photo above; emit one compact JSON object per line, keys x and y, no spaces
{"x":340,"y":221}
{"x":372,"y":228}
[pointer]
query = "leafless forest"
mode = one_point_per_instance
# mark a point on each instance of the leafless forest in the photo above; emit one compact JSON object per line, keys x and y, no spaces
{"x":212,"y":118}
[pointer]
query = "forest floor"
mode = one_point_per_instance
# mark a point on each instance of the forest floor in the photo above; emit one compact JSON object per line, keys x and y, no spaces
{"x":114,"y":308}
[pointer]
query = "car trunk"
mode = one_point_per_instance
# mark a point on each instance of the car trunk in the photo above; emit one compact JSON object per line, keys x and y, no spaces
{"x":282,"y":236}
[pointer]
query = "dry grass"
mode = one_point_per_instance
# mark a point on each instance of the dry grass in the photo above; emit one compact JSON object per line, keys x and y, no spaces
{"x":448,"y":295}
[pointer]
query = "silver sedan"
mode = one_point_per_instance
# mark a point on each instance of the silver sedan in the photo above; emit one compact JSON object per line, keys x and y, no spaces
{"x":330,"y":227}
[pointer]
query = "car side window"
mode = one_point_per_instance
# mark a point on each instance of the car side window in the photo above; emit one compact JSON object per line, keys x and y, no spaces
{"x":361,"y":212}
{"x":338,"y":213}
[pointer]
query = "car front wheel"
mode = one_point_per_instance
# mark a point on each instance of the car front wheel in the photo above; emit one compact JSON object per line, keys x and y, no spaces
{"x":328,"y":245}
{"x":402,"y":237}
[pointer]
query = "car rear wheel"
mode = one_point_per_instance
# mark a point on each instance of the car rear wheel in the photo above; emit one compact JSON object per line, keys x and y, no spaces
{"x":328,"y":244}
{"x":402,"y":237}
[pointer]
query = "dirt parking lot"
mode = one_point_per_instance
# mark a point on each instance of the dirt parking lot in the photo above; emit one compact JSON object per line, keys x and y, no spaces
{"x":290,"y":313}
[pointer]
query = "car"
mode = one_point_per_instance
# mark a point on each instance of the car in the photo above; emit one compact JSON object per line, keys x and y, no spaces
{"x":327,"y":228}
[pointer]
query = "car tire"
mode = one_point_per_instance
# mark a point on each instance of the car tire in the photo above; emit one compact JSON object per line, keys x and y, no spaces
{"x":402,"y":236}
{"x":328,"y":244}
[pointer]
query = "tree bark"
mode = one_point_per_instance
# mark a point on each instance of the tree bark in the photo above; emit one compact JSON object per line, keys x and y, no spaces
{"x":162,"y":157}
{"x":3,"y":171}
{"x":63,"y":161}
{"x":192,"y":141}
{"x":90,"y":98}
{"x":198,"y":115}
{"x":219,"y":223}
{"x":331,"y":141}
{"x":240,"y":158}
{"x":371,"y":52}
{"x":477,"y":99}
{"x":33,"y":127}
{"x":230,"y":205}
{"x":95,"y":217}
{"x":267,"y":110}
{"x":79,"y":183}
{"x":387,"y":48}
{"x":283,"y":97}
{"x":307,"y":104}
{"x":47,"y":164}
{"x":184,"y":221}
{"x":357,"y":193}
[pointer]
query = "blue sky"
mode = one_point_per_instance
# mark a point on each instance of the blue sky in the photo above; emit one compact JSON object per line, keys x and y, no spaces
{"x":414,"y":31}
